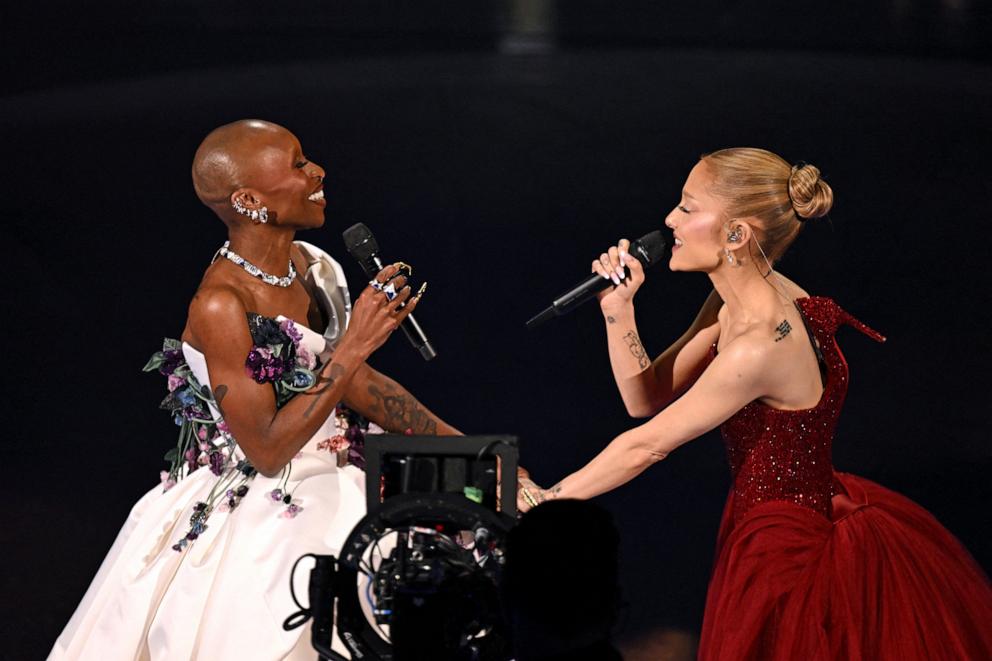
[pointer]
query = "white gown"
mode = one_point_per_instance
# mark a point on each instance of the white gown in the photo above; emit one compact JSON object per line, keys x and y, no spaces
{"x":226,"y":595}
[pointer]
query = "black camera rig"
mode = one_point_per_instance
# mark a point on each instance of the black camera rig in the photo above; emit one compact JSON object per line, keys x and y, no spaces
{"x":419,"y":575}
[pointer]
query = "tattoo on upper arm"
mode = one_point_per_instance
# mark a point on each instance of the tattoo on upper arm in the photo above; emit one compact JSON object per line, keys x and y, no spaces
{"x":220,"y":392}
{"x":322,"y":384}
{"x":783,"y":329}
{"x":637,"y":349}
{"x":401,"y":411}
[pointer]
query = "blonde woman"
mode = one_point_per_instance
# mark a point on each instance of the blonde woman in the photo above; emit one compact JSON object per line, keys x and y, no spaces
{"x":811,"y":563}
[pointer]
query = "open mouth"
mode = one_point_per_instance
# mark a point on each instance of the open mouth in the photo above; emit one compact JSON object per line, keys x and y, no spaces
{"x":678,"y":243}
{"x":317,"y":197}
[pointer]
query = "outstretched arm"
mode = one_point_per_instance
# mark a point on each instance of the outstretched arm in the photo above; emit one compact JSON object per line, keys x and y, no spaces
{"x":737,"y":376}
{"x":391,"y":406}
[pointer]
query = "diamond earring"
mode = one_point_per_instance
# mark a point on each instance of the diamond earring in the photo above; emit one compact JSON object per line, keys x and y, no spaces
{"x":730,"y":256}
{"x":257,"y":216}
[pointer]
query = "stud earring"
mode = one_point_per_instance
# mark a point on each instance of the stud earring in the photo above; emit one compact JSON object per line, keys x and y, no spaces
{"x":258,"y":216}
{"x":735,"y":235}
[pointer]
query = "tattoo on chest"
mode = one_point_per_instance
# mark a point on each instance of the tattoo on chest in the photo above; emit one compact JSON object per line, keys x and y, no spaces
{"x":637,"y":349}
{"x":401,"y":412}
{"x":782,"y":330}
{"x":324,"y":382}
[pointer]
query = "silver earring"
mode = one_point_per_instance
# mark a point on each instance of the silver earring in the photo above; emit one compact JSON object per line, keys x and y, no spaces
{"x":258,"y":216}
{"x":734,"y":236}
{"x":730,"y":256}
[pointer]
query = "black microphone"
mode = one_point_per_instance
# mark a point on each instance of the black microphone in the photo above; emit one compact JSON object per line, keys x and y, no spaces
{"x":363,"y":247}
{"x":649,"y":250}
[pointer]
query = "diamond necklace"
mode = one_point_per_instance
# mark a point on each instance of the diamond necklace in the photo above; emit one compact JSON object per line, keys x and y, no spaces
{"x":269,"y":279}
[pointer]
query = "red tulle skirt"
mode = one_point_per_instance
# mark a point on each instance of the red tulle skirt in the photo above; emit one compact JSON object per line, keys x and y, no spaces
{"x":882,"y":580}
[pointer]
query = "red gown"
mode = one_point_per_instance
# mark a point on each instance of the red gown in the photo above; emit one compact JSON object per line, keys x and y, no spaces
{"x":813,"y":564}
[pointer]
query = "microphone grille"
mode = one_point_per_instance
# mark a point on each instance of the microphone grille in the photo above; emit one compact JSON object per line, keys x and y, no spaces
{"x":650,"y":248}
{"x":359,"y":241}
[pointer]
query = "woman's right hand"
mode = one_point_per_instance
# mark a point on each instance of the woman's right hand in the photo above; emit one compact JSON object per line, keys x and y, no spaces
{"x":625,"y":283}
{"x":374,"y":317}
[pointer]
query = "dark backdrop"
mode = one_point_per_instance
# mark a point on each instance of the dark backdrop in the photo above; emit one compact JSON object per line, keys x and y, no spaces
{"x":500,"y":176}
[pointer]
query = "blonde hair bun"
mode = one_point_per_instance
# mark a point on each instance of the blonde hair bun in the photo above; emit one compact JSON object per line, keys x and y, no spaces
{"x":811,"y":196}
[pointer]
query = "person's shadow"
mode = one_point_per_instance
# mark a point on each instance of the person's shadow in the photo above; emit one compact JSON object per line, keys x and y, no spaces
{"x":560,"y":588}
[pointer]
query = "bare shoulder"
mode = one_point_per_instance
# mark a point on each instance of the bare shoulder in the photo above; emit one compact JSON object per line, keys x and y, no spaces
{"x":753,"y":347}
{"x":215,"y":306}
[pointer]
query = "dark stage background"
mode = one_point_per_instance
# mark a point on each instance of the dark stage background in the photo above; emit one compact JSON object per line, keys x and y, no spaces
{"x":498,"y":149}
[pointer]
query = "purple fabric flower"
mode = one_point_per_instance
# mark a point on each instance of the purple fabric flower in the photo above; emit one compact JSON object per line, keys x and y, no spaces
{"x":290,"y":329}
{"x":175,"y":382}
{"x":217,"y":462}
{"x":171,"y":359}
{"x":291,"y":511}
{"x":263,"y":366}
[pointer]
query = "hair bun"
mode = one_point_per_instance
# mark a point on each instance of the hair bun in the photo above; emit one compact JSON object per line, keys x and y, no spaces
{"x":811,"y":196}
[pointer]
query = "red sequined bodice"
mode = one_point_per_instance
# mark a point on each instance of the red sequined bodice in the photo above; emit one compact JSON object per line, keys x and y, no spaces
{"x":779,"y":455}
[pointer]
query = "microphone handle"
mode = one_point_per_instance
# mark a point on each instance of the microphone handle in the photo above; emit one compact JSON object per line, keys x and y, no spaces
{"x":572,"y":299}
{"x":410,"y":327}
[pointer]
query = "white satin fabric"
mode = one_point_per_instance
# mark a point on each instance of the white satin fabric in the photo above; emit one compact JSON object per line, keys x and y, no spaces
{"x":226,"y":595}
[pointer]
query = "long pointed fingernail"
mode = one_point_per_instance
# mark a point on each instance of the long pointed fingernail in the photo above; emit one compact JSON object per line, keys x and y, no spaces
{"x":620,"y":272}
{"x":615,"y":279}
{"x":423,"y":288}
{"x":623,"y":258}
{"x":606,"y":276}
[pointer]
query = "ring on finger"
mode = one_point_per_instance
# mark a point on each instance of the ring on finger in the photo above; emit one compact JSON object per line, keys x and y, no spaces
{"x":376,"y":285}
{"x":528,"y":497}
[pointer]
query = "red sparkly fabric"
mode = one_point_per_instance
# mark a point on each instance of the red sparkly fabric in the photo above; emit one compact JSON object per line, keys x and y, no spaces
{"x":813,"y":564}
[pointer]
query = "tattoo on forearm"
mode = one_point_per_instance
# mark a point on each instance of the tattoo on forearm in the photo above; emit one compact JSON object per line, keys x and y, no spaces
{"x":543,"y":495}
{"x":323,"y":383}
{"x":637,"y":349}
{"x":783,"y":329}
{"x":610,"y":319}
{"x":401,"y":411}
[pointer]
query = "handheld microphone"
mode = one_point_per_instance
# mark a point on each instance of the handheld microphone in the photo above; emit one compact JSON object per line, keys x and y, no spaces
{"x":649,"y":250}
{"x":364,"y":248}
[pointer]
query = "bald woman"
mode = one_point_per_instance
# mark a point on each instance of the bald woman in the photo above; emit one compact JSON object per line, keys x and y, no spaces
{"x":201,"y":567}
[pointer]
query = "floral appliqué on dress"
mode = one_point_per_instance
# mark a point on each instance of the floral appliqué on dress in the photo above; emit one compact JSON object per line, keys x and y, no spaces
{"x":277,"y":356}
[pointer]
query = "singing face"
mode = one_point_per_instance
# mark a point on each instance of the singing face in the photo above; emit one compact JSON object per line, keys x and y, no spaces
{"x":288,"y":183}
{"x":697,"y":222}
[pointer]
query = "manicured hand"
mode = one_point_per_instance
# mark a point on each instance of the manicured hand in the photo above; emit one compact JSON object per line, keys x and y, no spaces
{"x":623,"y":270}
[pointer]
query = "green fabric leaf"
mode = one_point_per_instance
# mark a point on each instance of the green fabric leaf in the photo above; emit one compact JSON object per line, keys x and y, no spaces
{"x":154,"y":362}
